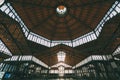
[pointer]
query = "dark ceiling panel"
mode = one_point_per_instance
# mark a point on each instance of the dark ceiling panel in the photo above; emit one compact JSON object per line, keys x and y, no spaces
{"x":12,"y":35}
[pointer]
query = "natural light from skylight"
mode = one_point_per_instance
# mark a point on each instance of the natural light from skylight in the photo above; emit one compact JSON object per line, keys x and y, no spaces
{"x":4,"y":49}
{"x":61,"y":56}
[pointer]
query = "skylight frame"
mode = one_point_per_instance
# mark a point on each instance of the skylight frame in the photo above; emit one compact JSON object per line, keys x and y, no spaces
{"x":117,"y":51}
{"x":93,"y":58}
{"x":4,"y":49}
{"x":61,"y":56}
{"x":27,"y":58}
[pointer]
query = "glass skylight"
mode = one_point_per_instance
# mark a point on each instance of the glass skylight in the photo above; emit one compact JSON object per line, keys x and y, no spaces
{"x":27,"y":58}
{"x":61,"y":56}
{"x":4,"y":49}
{"x":117,"y":51}
{"x":93,"y":58}
{"x":38,"y":39}
{"x":84,"y":39}
{"x":8,"y":9}
{"x":113,"y":11}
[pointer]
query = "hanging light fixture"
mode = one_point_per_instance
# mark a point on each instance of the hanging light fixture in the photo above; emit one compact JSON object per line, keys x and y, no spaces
{"x":1,"y":2}
{"x":61,"y":10}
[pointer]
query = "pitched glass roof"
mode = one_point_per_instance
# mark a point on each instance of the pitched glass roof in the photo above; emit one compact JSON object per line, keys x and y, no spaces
{"x":27,"y":58}
{"x":93,"y":58}
{"x":4,"y":49}
{"x":61,"y":56}
{"x":117,"y":51}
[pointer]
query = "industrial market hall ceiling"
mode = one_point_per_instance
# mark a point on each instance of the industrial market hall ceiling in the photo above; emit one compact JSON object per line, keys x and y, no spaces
{"x":89,"y":26}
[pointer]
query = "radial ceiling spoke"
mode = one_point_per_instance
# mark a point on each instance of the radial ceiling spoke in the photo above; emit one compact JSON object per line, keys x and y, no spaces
{"x":82,"y":22}
{"x":43,"y":21}
{"x":68,"y":30}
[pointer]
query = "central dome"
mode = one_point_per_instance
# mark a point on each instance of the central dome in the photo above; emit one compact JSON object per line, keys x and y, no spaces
{"x":61,"y":10}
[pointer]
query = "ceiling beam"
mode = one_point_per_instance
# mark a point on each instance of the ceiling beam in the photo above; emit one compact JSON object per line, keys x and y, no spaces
{"x":14,"y":40}
{"x":68,"y":31}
